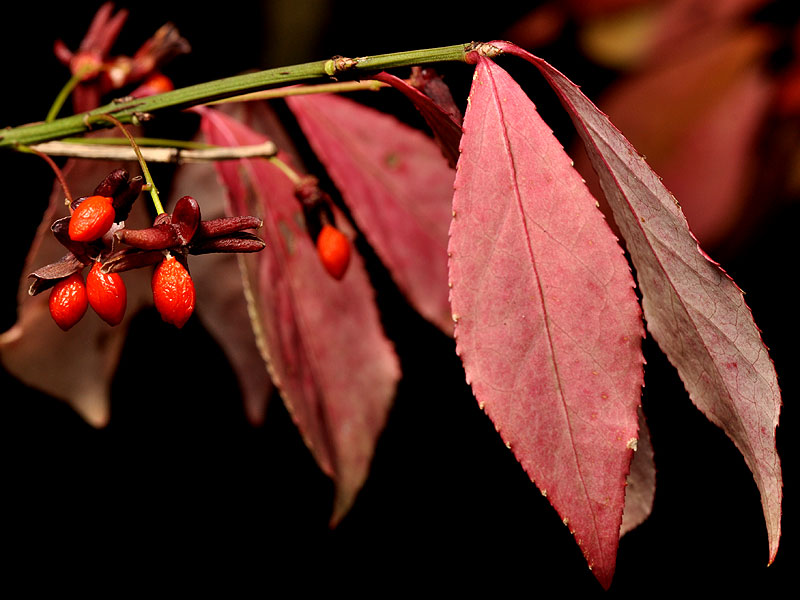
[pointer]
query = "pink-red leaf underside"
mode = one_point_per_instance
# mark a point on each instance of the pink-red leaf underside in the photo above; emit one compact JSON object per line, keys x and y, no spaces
{"x":693,"y":309}
{"x":547,"y":322}
{"x":322,"y":338}
{"x":398,"y":187}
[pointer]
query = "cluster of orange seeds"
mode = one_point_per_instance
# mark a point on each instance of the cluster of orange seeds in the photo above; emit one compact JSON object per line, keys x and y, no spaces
{"x":95,"y":234}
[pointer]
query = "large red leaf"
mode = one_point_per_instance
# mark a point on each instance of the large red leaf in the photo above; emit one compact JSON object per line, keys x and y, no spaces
{"x":321,"y":338}
{"x":547,"y":322}
{"x":398,"y":188}
{"x":693,"y":309}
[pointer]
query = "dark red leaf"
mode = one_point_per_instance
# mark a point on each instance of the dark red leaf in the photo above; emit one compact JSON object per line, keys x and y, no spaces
{"x":446,"y":129}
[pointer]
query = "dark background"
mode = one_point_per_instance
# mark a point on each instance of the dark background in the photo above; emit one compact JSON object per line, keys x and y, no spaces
{"x":180,"y":484}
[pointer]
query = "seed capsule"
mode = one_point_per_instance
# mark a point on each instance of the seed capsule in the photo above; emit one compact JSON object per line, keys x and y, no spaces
{"x":334,"y":251}
{"x":93,"y":217}
{"x":107,"y":294}
{"x":68,"y":302}
{"x":173,"y":292}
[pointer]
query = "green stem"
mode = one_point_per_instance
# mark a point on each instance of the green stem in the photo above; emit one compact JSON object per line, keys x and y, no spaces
{"x":131,"y":111}
{"x":145,"y":171}
{"x":287,"y":170}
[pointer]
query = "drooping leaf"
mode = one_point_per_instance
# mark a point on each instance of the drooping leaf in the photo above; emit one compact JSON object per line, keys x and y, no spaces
{"x":76,"y":365}
{"x":547,"y":323}
{"x":446,"y":129}
{"x":222,"y":307}
{"x":433,"y":86}
{"x":321,"y":338}
{"x":398,"y":188}
{"x":693,"y":309}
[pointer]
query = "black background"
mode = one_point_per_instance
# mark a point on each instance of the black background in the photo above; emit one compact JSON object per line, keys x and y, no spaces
{"x":180,"y":486}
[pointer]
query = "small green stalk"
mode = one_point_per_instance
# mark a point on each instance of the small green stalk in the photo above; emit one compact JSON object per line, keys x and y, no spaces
{"x":287,"y":170}
{"x":145,"y":171}
{"x":65,"y":92}
{"x":370,"y":85}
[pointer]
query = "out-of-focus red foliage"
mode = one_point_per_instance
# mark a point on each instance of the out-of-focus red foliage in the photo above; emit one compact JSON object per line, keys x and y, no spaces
{"x":702,"y":94}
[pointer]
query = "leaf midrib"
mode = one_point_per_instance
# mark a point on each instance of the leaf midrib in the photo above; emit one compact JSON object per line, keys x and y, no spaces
{"x":556,"y":374}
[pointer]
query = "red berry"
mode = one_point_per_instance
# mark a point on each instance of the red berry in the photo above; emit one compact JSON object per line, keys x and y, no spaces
{"x":107,"y":294}
{"x":173,"y":291}
{"x":68,"y":301}
{"x":93,"y":217}
{"x":334,"y":251}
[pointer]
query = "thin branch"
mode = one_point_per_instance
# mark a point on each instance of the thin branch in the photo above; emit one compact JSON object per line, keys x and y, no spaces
{"x":159,"y":154}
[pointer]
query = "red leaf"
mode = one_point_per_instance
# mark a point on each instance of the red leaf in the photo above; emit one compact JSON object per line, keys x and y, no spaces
{"x":693,"y":309}
{"x":547,"y":323}
{"x":398,"y":188}
{"x":322,"y":338}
